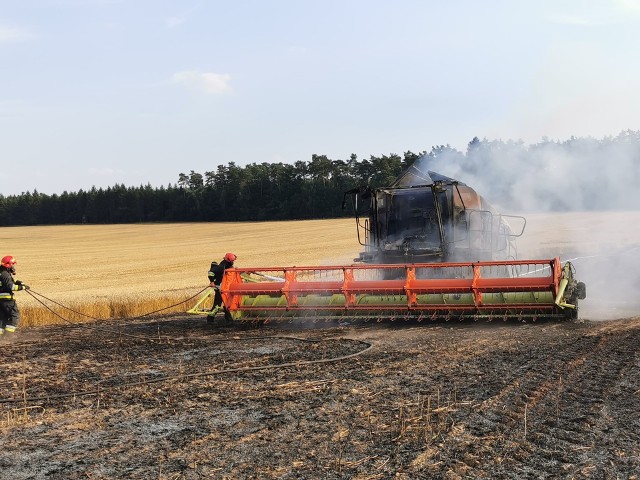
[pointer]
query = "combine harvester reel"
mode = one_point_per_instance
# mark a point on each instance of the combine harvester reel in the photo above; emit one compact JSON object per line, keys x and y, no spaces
{"x":534,"y":289}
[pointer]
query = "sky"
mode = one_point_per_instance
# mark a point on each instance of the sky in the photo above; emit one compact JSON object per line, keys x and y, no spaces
{"x":134,"y":92}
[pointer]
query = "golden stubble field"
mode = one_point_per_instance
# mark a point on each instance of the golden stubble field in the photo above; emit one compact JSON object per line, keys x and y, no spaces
{"x":115,"y":271}
{"x":127,"y":270}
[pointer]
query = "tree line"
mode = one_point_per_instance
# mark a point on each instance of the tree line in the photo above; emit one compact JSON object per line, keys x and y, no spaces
{"x":256,"y":192}
{"x":575,"y":174}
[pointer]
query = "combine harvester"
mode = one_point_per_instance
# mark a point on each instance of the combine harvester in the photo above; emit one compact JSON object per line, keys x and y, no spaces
{"x":433,"y":249}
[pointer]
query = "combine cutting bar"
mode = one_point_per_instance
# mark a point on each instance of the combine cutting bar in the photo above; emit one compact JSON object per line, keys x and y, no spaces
{"x":506,"y":288}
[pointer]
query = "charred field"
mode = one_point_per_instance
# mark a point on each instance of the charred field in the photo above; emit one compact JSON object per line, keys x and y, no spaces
{"x":177,"y":398}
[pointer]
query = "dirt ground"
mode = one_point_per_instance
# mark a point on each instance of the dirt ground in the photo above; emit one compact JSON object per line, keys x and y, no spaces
{"x":181,"y":399}
{"x":177,"y":398}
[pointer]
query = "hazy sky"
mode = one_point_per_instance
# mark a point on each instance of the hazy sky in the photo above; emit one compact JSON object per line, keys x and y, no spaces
{"x":98,"y":92}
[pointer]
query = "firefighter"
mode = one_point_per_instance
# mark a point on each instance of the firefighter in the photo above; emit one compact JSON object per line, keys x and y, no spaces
{"x":216,"y":272}
{"x":9,"y":314}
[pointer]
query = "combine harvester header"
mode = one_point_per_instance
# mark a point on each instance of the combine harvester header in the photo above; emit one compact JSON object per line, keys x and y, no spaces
{"x":537,"y":289}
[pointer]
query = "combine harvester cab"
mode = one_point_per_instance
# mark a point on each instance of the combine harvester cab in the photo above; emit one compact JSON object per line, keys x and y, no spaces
{"x":434,"y":249}
{"x":426,"y":217}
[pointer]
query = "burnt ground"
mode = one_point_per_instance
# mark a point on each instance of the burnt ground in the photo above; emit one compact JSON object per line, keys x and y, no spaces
{"x":180,"y":399}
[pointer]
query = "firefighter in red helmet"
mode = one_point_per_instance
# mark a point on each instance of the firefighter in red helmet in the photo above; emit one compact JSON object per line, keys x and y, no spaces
{"x":216,"y":272}
{"x":9,"y":314}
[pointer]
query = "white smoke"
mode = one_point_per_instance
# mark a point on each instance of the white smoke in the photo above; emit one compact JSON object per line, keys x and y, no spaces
{"x":584,"y":198}
{"x":576,"y":174}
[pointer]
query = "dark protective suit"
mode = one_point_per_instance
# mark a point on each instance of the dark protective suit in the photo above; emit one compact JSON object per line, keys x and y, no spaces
{"x":9,"y":314}
{"x":216,"y":272}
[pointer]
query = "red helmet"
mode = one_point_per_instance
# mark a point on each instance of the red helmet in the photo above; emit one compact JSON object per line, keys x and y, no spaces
{"x":230,"y":257}
{"x":8,"y":261}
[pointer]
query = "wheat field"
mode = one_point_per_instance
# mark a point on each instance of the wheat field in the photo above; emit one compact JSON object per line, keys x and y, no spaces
{"x":123,"y":271}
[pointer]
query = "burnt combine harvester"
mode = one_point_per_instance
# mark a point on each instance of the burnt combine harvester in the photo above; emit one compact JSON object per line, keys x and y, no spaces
{"x":425,"y":217}
{"x":433,"y":249}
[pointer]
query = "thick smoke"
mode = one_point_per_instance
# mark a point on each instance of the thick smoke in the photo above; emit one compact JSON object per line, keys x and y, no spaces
{"x":573,"y":175}
{"x":582,"y":198}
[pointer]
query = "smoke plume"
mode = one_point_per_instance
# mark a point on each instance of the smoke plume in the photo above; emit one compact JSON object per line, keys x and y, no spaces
{"x":581,"y":198}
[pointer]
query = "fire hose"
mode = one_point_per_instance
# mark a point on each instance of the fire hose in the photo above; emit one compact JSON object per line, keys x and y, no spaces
{"x":96,"y":391}
{"x":35,"y":295}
